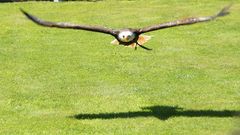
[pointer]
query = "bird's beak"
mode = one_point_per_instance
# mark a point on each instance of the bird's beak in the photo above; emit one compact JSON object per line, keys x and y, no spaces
{"x":127,"y":38}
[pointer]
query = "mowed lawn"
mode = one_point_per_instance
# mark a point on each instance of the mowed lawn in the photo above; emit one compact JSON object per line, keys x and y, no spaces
{"x":55,"y":81}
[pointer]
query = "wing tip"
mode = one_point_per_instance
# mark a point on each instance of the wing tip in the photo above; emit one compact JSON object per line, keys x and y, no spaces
{"x":225,"y":10}
{"x":21,"y":10}
{"x":24,"y":12}
{"x":30,"y":17}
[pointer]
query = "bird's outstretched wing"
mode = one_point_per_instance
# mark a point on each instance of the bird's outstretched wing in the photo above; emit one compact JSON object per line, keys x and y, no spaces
{"x":186,"y":21}
{"x":69,"y":25}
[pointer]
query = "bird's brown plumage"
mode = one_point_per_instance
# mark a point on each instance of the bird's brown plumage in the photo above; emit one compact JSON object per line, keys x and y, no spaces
{"x":136,"y":32}
{"x":69,"y":25}
{"x":186,"y":21}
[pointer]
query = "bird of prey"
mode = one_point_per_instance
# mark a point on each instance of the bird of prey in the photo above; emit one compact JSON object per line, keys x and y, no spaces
{"x":132,"y":37}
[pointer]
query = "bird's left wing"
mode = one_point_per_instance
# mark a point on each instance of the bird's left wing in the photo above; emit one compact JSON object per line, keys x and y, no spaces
{"x":186,"y":21}
{"x":69,"y":25}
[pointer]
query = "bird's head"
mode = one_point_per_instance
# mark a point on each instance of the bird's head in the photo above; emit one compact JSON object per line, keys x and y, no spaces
{"x":126,"y":36}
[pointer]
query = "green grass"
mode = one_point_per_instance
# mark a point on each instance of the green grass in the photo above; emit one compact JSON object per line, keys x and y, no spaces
{"x":55,"y":81}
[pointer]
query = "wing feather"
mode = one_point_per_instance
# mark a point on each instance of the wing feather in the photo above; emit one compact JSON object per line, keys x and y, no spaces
{"x":186,"y":21}
{"x":69,"y":25}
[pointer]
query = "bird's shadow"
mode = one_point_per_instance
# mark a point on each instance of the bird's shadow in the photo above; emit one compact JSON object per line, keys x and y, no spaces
{"x":160,"y":112}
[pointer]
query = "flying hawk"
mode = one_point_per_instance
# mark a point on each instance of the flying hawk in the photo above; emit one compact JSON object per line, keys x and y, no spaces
{"x":128,"y":36}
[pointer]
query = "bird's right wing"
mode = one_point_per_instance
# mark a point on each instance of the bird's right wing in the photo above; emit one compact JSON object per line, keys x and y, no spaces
{"x":69,"y":25}
{"x":186,"y":21}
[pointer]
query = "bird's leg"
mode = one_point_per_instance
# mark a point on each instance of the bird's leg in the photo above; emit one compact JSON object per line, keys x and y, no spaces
{"x":136,"y":47}
{"x":142,"y":47}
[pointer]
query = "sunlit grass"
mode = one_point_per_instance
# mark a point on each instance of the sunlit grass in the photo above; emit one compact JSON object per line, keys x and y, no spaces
{"x":55,"y":81}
